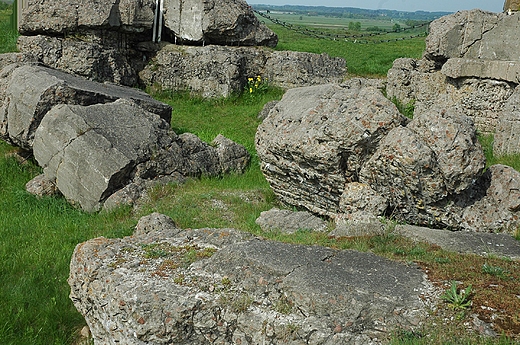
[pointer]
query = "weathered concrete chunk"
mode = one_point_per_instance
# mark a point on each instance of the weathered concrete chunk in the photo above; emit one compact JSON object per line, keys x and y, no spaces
{"x":61,"y":16}
{"x":478,"y":98}
{"x":361,"y":197}
{"x":33,"y":90}
{"x":98,"y":56}
{"x":474,"y":59}
{"x":453,"y":138}
{"x":239,"y":290}
{"x":289,"y":222}
{"x":91,"y":151}
{"x":229,"y":22}
{"x":488,"y":69}
{"x":485,"y":244}
{"x":494,"y":202}
{"x":233,"y":157}
{"x":507,"y":134}
{"x":41,"y":186}
{"x":218,"y":71}
{"x":223,"y":22}
{"x":472,"y":34}
{"x":404,"y":170}
{"x":289,"y":69}
{"x":317,"y":138}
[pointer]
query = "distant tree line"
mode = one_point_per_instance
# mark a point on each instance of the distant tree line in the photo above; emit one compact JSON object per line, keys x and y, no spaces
{"x":417,"y":17}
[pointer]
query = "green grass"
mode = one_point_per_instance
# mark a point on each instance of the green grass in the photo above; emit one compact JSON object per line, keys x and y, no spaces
{"x":370,"y":59}
{"x":512,"y":160}
{"x":37,"y":237}
{"x":8,"y":36}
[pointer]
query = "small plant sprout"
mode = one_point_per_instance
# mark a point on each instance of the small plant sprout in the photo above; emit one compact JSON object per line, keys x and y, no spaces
{"x":458,"y":300}
{"x":496,"y":271}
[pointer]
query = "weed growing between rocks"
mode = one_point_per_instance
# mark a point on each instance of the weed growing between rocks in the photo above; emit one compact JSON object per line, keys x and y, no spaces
{"x":256,"y":87}
{"x":457,"y":299}
{"x":487,"y":140}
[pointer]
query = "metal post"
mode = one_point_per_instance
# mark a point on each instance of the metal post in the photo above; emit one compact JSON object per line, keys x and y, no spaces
{"x":160,"y":23}
{"x":155,"y":15}
{"x":157,"y":21}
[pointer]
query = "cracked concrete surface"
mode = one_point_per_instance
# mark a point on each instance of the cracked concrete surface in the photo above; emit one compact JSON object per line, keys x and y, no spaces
{"x":248,"y":291}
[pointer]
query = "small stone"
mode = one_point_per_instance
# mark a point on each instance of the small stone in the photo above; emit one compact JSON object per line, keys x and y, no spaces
{"x":85,"y":332}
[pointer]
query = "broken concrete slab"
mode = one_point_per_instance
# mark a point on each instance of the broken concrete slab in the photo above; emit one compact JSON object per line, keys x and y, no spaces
{"x":239,"y":289}
{"x":33,"y":90}
{"x":91,"y":151}
{"x":485,"y":244}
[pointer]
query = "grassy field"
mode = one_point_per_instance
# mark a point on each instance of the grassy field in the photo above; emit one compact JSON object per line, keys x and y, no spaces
{"x":320,"y":21}
{"x":363,"y":59}
{"x":37,"y":236}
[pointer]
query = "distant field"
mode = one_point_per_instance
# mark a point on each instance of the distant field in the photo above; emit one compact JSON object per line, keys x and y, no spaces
{"x":363,"y":59}
{"x":320,"y":21}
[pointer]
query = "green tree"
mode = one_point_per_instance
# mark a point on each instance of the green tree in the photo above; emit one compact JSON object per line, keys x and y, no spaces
{"x":396,"y":27}
{"x":354,"y":26}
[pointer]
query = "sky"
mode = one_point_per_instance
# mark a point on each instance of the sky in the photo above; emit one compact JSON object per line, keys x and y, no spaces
{"x":400,"y":5}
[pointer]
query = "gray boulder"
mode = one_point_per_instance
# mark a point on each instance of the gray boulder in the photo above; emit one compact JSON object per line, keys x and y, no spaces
{"x":289,"y":222}
{"x":289,"y":69}
{"x":232,"y":157}
{"x":494,"y":202}
{"x":507,"y":139}
{"x":471,"y":62}
{"x":33,"y":90}
{"x":230,"y":22}
{"x":474,"y":34}
{"x":419,"y":167}
{"x":316,"y":139}
{"x":99,"y":56}
{"x":92,"y":151}
{"x":344,"y":152}
{"x":154,"y":222}
{"x":235,"y":289}
{"x":219,"y":71}
{"x":61,"y":16}
{"x":41,"y":186}
{"x":222,"y":22}
{"x":478,"y":98}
